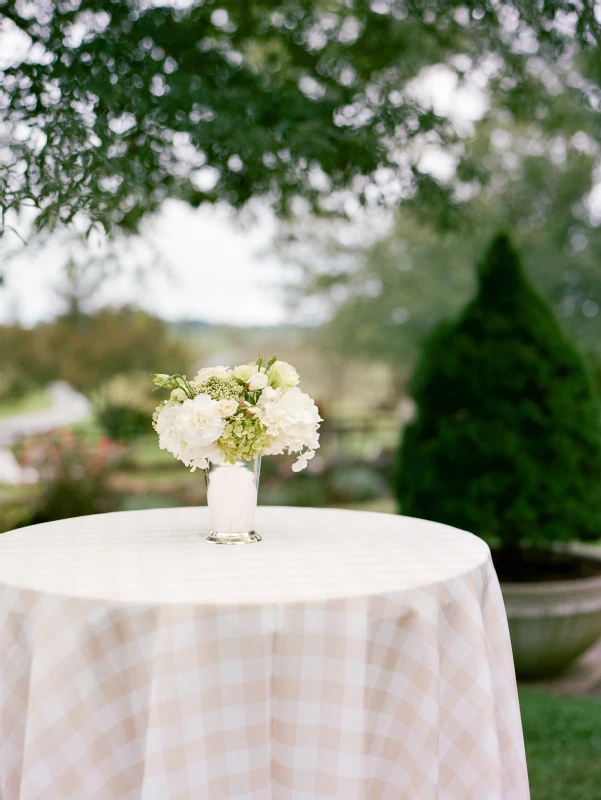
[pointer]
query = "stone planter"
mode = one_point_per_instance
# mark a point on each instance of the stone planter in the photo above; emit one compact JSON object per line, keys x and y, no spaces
{"x":553,"y":622}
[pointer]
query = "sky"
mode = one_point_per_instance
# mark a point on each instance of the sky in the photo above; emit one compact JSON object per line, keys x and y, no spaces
{"x":210,"y":268}
{"x":213,"y":269}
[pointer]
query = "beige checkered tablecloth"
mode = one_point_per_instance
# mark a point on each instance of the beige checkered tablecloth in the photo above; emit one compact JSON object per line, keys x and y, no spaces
{"x":349,"y":655}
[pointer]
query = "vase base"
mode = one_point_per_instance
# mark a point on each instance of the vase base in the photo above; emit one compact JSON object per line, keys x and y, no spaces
{"x":215,"y":537}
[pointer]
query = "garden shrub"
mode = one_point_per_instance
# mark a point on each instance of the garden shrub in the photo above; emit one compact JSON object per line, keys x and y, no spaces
{"x":74,"y":475}
{"x":507,"y":439}
{"x":124,"y":406}
{"x":122,"y":423}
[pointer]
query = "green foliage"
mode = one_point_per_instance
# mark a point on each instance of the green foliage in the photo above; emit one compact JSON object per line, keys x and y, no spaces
{"x":88,"y":350}
{"x":16,"y":506}
{"x":340,"y":481}
{"x":23,"y":403}
{"x":507,"y":440}
{"x":118,"y":106}
{"x":16,"y":378}
{"x":385,"y":296}
{"x":356,"y":483}
{"x":122,"y":423}
{"x":563,"y":741}
{"x":302,"y":490}
{"x":392,"y":292}
{"x":123,"y":407}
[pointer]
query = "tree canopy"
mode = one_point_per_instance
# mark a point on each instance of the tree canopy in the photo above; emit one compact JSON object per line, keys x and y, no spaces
{"x":112,"y":107}
{"x":385,"y":295}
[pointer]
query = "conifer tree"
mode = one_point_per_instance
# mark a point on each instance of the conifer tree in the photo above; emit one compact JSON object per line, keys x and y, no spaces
{"x":507,"y":438}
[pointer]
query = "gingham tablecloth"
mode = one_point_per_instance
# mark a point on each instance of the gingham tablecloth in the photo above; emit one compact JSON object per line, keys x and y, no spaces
{"x":349,"y":655}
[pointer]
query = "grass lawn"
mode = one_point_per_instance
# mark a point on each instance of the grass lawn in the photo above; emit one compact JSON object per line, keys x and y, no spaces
{"x":148,"y":454}
{"x":384,"y":505}
{"x":563,"y":746}
{"x":35,"y":401}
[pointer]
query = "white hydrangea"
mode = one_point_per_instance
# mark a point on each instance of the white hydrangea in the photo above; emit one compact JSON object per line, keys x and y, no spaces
{"x":199,"y":457}
{"x":292,"y":421}
{"x":190,"y":431}
{"x":169,"y":437}
{"x":301,"y":461}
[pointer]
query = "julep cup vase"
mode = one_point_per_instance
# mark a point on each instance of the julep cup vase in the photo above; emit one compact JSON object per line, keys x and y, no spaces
{"x":232,"y":500}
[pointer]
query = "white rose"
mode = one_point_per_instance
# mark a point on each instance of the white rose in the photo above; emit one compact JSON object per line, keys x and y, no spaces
{"x":282,"y":375}
{"x":291,"y":419}
{"x":212,"y":372}
{"x":227,"y":408}
{"x":257,"y":381}
{"x":199,"y":423}
{"x":244,"y":371}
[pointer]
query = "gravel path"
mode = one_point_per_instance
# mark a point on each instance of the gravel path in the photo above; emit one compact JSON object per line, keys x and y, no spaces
{"x":68,"y":407}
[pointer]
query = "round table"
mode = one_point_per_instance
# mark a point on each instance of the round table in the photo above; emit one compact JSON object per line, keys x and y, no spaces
{"x":349,"y":655}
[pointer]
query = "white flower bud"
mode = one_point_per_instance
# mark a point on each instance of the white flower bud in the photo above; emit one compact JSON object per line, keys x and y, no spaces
{"x":282,"y":375}
{"x":244,"y":371}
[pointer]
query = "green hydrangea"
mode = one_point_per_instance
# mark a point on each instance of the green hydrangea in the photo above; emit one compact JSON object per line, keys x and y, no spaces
{"x":244,"y":437}
{"x":220,"y":388}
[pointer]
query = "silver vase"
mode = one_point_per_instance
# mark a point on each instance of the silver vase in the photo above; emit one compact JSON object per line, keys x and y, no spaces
{"x":232,"y":501}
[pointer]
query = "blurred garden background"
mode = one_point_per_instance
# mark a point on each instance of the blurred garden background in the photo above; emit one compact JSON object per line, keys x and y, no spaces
{"x":185,"y":184}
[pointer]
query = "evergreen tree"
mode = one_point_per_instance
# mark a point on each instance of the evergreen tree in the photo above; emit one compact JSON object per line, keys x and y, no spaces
{"x":507,"y":438}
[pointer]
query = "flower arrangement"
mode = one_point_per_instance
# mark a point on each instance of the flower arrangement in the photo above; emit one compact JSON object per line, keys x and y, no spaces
{"x":225,"y":415}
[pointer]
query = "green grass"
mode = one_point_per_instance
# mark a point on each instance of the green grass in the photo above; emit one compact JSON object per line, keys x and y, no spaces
{"x":34,"y":401}
{"x":384,"y":505}
{"x":563,"y":746}
{"x":88,"y":428}
{"x":168,"y":478}
{"x":145,"y":502}
{"x":148,"y":454}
